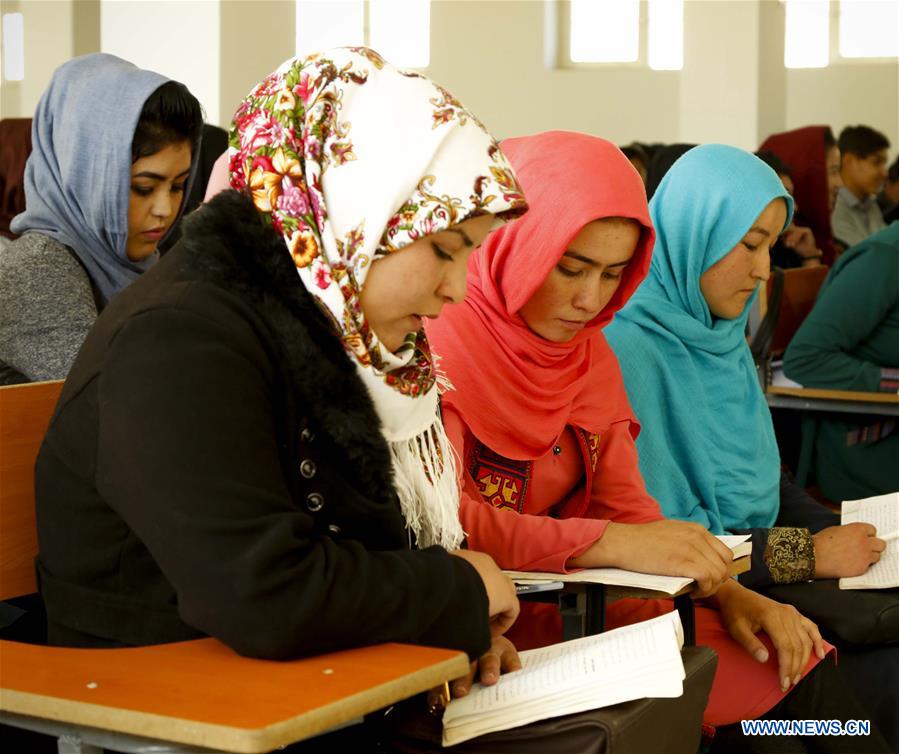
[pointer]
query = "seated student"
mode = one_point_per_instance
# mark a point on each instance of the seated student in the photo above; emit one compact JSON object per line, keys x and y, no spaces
{"x":863,"y":169}
{"x":850,"y":341}
{"x":638,"y":157}
{"x":15,"y":146}
{"x":707,"y":450}
{"x":796,"y":245}
{"x":661,"y":163}
{"x":112,"y":157}
{"x":888,"y":198}
{"x":812,"y":155}
{"x":540,"y":419}
{"x":248,"y":445}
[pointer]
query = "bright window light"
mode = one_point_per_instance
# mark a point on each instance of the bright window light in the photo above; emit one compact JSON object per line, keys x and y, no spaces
{"x":323,"y":24}
{"x":869,"y":28}
{"x":13,"y":47}
{"x":401,"y":31}
{"x":666,"y":35}
{"x":605,"y":31}
{"x":807,"y":35}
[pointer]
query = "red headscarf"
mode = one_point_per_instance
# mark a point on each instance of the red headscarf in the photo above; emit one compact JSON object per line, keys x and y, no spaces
{"x":15,"y":146}
{"x":515,"y":390}
{"x":805,"y":153}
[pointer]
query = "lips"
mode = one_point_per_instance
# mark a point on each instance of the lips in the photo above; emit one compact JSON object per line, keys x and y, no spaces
{"x":154,"y":234}
{"x":573,"y":324}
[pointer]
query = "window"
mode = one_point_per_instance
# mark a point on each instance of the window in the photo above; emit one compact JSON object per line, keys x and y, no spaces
{"x":807,"y":41}
{"x":869,"y":28}
{"x":13,"y":47}
{"x":818,"y":31}
{"x":612,"y":31}
{"x":398,"y":29}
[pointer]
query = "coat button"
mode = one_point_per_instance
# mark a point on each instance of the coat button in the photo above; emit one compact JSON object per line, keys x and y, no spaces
{"x":557,"y":449}
{"x":307,"y":435}
{"x":307,"y":469}
{"x":314,"y":502}
{"x":334,"y":528}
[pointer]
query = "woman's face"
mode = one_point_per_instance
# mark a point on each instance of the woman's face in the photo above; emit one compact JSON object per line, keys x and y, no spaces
{"x":407,"y":286}
{"x":584,"y":280}
{"x":834,"y":180}
{"x":728,"y":284}
{"x":157,"y":190}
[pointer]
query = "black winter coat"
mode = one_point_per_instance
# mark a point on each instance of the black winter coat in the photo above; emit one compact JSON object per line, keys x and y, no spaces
{"x":215,"y":467}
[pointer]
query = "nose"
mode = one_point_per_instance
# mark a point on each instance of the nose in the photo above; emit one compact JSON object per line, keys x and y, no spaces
{"x":592,"y":296}
{"x":162,"y":206}
{"x":761,"y":270}
{"x":453,"y":286}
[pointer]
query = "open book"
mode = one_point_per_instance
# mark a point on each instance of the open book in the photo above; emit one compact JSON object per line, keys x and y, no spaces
{"x":738,"y":543}
{"x":882,"y":512}
{"x":633,"y":662}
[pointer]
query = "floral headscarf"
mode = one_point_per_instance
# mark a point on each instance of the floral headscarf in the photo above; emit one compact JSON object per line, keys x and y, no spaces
{"x":350,"y":160}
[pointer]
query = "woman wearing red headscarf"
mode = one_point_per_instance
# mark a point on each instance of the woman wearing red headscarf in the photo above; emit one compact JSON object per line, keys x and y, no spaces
{"x":813,"y":157}
{"x":541,"y":421}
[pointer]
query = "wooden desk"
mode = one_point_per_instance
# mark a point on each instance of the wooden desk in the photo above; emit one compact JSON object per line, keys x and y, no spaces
{"x":843,"y":401}
{"x":201,"y":693}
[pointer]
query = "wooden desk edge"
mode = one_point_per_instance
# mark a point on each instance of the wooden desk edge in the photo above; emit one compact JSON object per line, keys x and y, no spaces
{"x":240,"y":740}
{"x":835,"y":395}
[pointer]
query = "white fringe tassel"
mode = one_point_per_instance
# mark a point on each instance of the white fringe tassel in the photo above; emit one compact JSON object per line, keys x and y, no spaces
{"x":431,"y":508}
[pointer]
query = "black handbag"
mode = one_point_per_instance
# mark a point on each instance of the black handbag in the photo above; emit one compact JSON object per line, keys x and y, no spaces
{"x":661,"y":726}
{"x":856,"y":616}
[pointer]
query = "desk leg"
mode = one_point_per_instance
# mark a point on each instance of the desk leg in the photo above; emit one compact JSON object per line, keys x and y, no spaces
{"x":75,"y":745}
{"x":684,"y":606}
{"x":596,"y":609}
{"x":573,"y":607}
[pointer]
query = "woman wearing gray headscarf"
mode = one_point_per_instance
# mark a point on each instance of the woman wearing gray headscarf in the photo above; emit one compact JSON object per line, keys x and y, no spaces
{"x":114,"y":151}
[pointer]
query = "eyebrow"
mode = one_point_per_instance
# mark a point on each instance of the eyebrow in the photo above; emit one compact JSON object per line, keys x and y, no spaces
{"x":757,"y":229}
{"x":592,"y":263}
{"x":460,"y":232}
{"x":157,"y":177}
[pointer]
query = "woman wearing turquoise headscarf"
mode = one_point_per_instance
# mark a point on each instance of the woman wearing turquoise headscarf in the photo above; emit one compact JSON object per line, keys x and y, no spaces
{"x":707,"y":448}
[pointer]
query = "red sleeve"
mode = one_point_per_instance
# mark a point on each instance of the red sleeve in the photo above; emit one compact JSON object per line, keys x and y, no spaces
{"x":619,"y":493}
{"x":516,"y":541}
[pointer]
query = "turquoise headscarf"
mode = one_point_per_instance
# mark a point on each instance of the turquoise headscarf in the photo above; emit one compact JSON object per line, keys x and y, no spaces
{"x":707,"y":448}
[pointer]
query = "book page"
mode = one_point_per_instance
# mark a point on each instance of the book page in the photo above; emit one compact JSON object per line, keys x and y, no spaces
{"x":610,"y":656}
{"x":883,"y":513}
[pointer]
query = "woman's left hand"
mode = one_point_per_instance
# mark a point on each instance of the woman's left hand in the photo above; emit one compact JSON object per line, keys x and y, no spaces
{"x":745,"y":613}
{"x":502,"y":657}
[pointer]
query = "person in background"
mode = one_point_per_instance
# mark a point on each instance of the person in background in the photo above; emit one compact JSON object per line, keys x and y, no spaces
{"x":850,"y":341}
{"x":812,"y":155}
{"x":888,"y":198}
{"x":114,"y":151}
{"x":638,"y":157}
{"x":863,"y":169}
{"x":15,"y":146}
{"x":796,"y":245}
{"x":249,"y":444}
{"x":661,"y":163}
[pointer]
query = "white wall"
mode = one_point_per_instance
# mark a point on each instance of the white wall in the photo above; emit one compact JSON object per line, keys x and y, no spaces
{"x":490,"y":53}
{"x":177,"y":38}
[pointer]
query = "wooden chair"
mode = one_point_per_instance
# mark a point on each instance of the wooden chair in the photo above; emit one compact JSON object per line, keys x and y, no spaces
{"x":191,"y":694}
{"x":800,"y":289}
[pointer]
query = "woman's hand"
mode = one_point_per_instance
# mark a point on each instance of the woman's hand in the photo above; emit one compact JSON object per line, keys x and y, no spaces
{"x":849,"y":550}
{"x":502,"y":657}
{"x":745,"y":613}
{"x":667,"y":548}
{"x":503,"y":604}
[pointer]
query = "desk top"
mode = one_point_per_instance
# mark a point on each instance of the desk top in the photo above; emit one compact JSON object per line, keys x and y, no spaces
{"x":202,"y":693}
{"x":836,"y":395}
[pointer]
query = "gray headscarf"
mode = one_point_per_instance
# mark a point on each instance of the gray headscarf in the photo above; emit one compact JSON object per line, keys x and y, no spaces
{"x":77,"y":179}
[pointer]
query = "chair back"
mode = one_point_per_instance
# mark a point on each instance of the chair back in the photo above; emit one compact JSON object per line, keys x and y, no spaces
{"x":25,"y":412}
{"x":800,"y":289}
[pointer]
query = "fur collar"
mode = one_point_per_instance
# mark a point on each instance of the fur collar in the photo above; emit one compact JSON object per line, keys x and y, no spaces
{"x":227,"y":242}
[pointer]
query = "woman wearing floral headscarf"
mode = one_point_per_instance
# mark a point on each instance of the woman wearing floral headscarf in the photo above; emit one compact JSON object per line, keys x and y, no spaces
{"x":248,"y":445}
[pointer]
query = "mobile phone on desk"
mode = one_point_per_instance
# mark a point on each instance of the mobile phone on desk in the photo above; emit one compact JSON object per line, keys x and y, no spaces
{"x":529,"y":586}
